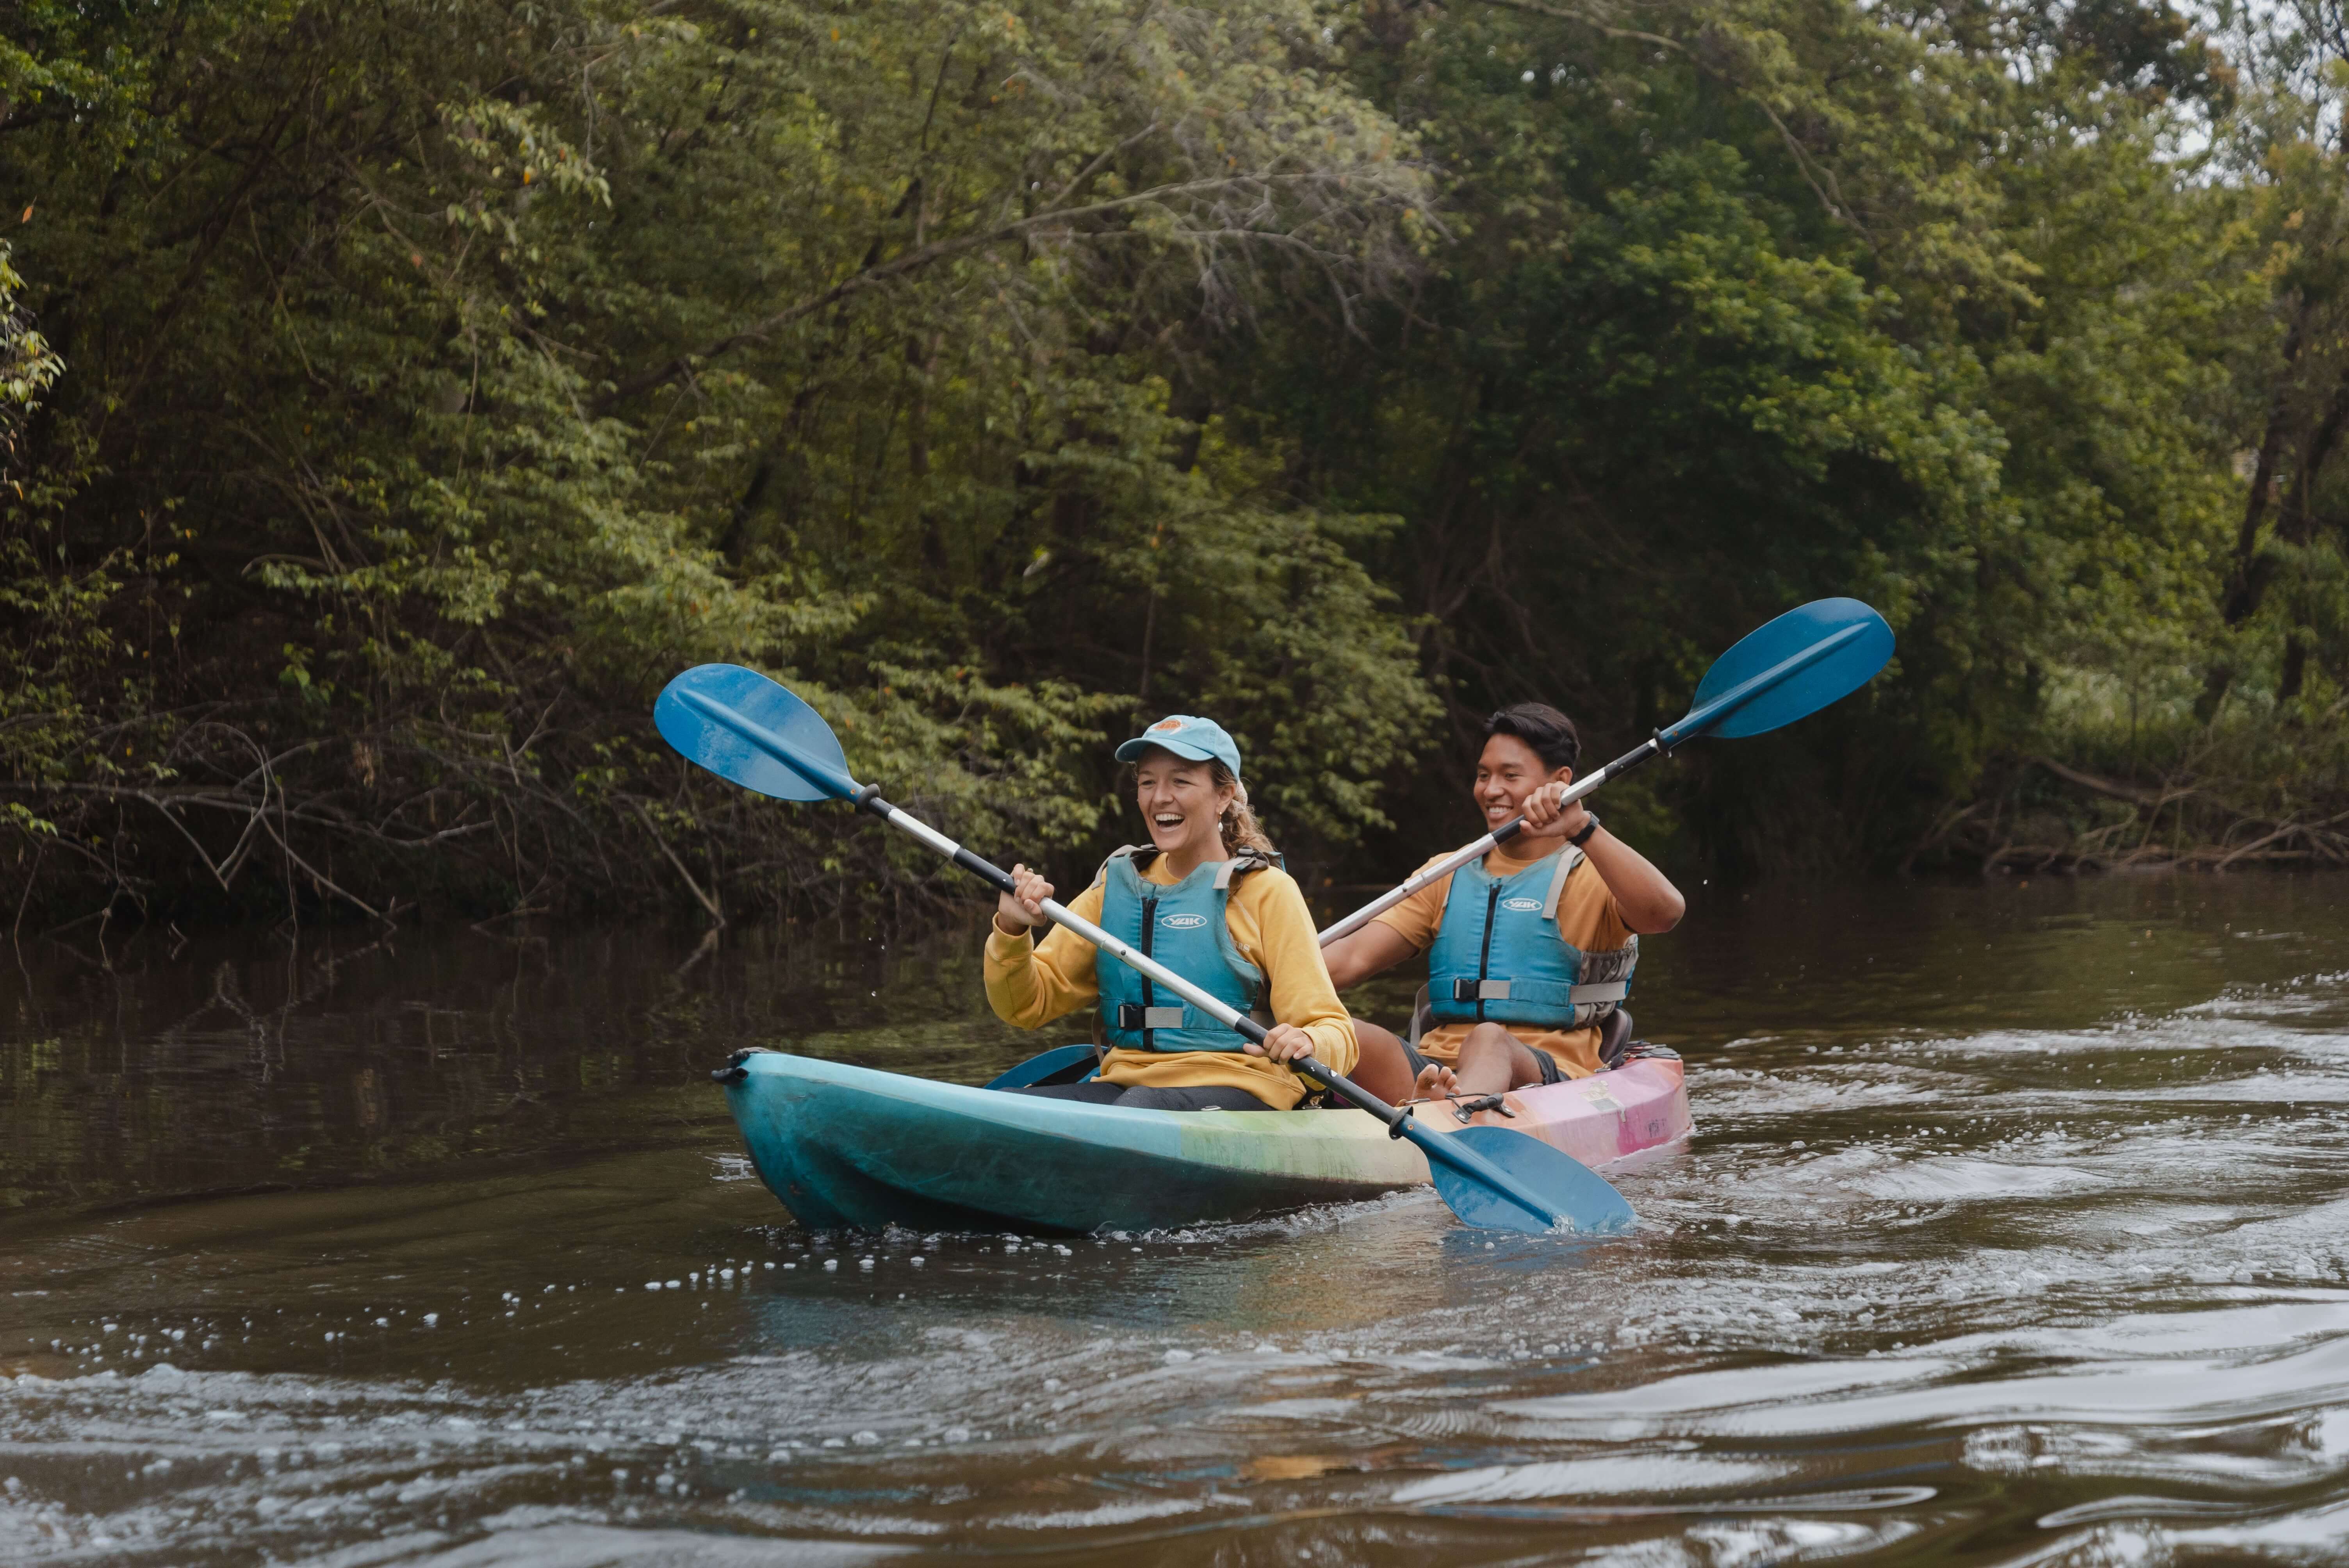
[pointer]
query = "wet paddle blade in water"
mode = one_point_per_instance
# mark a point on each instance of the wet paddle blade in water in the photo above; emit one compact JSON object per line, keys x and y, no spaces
{"x":1578,"y":1194}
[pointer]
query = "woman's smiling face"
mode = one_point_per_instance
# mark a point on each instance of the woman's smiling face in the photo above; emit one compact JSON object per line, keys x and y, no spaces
{"x":1181,"y":803}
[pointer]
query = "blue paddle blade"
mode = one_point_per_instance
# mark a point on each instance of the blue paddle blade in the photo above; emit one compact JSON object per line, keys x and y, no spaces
{"x":747,"y":728}
{"x":1569,"y":1193}
{"x":1798,"y":664}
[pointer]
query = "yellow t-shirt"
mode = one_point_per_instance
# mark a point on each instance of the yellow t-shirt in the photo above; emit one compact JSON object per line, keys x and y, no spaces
{"x":1587,"y":918}
{"x":1029,"y":984}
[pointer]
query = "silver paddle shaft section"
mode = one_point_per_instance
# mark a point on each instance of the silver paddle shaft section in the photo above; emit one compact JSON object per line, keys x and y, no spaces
{"x":1476,"y":851}
{"x":1693,"y":725}
{"x":1222,"y":1012}
{"x":1125,"y":953}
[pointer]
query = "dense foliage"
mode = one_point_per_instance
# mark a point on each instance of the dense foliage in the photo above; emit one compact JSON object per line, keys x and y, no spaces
{"x":393,"y":396}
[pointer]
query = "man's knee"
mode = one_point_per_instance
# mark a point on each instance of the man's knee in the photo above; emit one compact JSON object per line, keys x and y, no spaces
{"x":1489,"y":1037}
{"x":1496,"y":1057}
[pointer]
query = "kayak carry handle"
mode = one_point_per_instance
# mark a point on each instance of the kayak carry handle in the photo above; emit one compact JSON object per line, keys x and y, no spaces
{"x":734,"y":1071}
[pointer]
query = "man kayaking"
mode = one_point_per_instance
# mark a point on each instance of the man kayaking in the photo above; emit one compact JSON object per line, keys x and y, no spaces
{"x":1528,"y":950}
{"x":1207,"y":898}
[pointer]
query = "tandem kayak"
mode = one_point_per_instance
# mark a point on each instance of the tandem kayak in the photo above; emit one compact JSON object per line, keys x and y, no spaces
{"x":848,"y":1147}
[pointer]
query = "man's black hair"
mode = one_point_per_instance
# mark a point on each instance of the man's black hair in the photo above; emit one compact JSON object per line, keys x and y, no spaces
{"x":1541,"y":726}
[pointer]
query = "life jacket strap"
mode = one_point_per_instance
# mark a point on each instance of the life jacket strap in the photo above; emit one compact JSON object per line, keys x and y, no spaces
{"x":1140,"y":855}
{"x":1136,"y":1015}
{"x":1568,"y":859}
{"x":1579,"y":996}
{"x":1239,"y":865}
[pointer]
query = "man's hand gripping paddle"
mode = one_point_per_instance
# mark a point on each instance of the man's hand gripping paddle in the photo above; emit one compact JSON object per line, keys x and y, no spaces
{"x":1789,"y":669}
{"x":744,"y":727}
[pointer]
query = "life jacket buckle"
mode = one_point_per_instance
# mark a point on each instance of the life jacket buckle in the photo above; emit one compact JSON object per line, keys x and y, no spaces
{"x":1134,"y":1015}
{"x":1480,"y":990}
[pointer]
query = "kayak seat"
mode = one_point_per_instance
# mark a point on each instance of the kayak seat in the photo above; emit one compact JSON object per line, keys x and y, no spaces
{"x":1614,"y":1037}
{"x":1615,"y":1043}
{"x":1063,"y":1063}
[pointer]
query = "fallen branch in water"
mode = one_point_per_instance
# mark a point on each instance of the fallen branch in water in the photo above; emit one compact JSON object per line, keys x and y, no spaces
{"x":219,"y":818}
{"x":2108,"y":786}
{"x":2019,"y":828}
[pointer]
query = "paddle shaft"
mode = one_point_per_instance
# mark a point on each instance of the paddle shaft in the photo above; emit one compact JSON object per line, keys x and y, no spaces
{"x":1124,"y":952}
{"x":1661,"y":744}
{"x":1435,"y":1146}
{"x":836,"y":783}
{"x":1647,"y":751}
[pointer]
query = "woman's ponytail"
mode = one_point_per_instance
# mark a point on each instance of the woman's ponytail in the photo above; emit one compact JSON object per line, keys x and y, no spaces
{"x":1241,"y":830}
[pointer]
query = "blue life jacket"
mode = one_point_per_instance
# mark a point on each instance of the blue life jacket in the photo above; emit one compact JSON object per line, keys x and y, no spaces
{"x":1183,"y":927}
{"x":1498,"y":957}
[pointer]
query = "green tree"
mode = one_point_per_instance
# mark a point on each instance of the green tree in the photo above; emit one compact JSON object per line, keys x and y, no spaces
{"x":455,"y":375}
{"x":1754,"y":303}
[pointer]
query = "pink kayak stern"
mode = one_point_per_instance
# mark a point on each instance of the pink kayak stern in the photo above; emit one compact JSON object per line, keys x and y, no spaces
{"x":1602,"y":1119}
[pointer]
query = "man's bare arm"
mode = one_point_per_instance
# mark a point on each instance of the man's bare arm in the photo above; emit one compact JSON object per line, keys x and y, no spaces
{"x":1359,"y":954}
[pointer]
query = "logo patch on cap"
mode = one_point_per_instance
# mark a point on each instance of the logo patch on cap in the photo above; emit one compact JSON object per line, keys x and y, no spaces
{"x":1168,"y":724}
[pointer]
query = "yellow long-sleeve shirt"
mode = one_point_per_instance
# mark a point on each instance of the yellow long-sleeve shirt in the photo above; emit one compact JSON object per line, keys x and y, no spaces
{"x":1029,"y":984}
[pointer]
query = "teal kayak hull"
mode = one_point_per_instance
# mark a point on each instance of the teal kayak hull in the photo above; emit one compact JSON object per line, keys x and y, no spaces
{"x":848,"y":1147}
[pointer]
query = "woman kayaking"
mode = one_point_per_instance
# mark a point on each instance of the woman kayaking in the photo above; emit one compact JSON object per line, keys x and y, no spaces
{"x":1207,"y":898}
{"x":1528,"y":950}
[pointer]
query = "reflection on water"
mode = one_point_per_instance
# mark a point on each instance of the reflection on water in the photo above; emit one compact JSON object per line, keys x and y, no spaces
{"x":2016,"y":1230}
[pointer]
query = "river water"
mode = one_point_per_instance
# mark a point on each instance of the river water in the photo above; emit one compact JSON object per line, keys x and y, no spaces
{"x":2016,"y":1230}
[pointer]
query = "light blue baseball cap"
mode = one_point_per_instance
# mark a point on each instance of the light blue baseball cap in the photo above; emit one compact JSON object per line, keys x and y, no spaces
{"x":1188,"y":736}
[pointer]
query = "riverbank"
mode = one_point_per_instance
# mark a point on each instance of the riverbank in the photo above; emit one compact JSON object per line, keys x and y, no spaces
{"x":2039,"y":814}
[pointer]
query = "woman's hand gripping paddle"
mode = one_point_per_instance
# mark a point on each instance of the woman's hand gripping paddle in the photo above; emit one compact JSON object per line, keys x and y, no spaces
{"x":1789,"y":669}
{"x":744,"y":727}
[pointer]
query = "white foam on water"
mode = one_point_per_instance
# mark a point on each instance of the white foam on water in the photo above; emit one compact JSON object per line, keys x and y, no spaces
{"x":1624,"y":1475}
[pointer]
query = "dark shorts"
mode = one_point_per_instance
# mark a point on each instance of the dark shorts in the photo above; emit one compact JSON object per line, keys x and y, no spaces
{"x":1542,"y":1058}
{"x":1135,"y":1097}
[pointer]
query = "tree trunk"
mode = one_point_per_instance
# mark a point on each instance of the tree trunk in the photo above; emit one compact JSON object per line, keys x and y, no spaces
{"x":2244,"y":586}
{"x":2296,"y":522}
{"x":2242,"y":596}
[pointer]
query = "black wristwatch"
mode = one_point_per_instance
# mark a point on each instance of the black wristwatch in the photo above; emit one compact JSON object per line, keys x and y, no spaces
{"x":1588,"y":827}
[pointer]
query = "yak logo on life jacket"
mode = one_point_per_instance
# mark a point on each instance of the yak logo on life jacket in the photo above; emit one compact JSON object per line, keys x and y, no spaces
{"x":1182,"y":921}
{"x":1521,"y":903}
